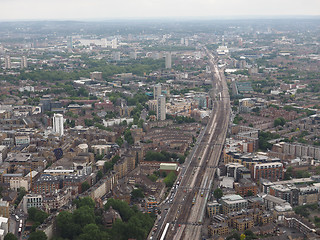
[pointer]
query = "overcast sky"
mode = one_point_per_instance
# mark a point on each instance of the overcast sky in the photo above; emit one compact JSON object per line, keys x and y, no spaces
{"x":122,"y":9}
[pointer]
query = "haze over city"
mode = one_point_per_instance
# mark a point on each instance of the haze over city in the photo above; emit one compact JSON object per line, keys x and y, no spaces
{"x":159,"y":119}
{"x":140,"y":9}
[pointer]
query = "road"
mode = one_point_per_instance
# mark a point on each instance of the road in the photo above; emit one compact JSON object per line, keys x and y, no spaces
{"x":187,"y":202}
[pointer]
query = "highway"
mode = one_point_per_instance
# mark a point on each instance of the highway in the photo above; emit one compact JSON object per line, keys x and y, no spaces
{"x":185,"y":206}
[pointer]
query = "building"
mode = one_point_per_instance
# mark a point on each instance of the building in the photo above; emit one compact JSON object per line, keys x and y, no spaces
{"x":22,"y":140}
{"x":24,"y":62}
{"x":4,"y":209}
{"x":272,"y":171}
{"x":218,"y":228}
{"x":58,"y":124}
{"x":246,"y":187}
{"x":168,"y":60}
{"x":96,"y":76}
{"x":156,"y":91}
{"x":233,"y":203}
{"x":168,"y":167}
{"x":213,"y":208}
{"x":47,"y":184}
{"x":3,"y":153}
{"x":7,"y":62}
{"x":4,"y":227}
{"x":151,"y":205}
{"x":161,"y":108}
{"x":243,"y":224}
{"x":32,"y":200}
{"x":116,"y":56}
{"x":101,"y":149}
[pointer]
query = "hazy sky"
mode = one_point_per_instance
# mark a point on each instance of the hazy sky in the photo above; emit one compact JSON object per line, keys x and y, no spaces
{"x":110,"y":9}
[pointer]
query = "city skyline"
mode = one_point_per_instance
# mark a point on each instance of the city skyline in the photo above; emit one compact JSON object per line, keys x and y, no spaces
{"x":142,"y":9}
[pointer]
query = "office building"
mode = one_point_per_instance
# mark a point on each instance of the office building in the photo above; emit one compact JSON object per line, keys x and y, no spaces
{"x":156,"y":91}
{"x":161,"y":108}
{"x":58,"y":124}
{"x":69,"y":43}
{"x":116,"y":56}
{"x":168,"y":60}
{"x":233,"y":203}
{"x":272,"y":171}
{"x":4,"y":209}
{"x":24,"y":63}
{"x":31,"y":200}
{"x":7,"y":62}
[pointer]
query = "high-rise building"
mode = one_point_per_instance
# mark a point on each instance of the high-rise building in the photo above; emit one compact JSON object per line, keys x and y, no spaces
{"x":7,"y":62}
{"x":24,"y":62}
{"x":116,"y":56}
{"x":58,"y":124}
{"x":161,"y":108}
{"x":114,"y":43}
{"x":69,"y":43}
{"x":156,"y":91}
{"x":133,"y":55}
{"x":168,"y":60}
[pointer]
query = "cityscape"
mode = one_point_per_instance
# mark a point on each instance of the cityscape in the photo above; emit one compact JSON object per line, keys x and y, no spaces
{"x":160,"y":129}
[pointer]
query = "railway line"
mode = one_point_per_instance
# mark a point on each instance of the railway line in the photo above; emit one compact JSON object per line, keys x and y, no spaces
{"x":187,"y":209}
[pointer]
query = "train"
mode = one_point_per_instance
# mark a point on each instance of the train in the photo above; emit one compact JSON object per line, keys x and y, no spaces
{"x":165,"y":231}
{"x":194,"y":199}
{"x":204,"y":186}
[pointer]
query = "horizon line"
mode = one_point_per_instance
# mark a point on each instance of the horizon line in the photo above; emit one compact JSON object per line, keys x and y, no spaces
{"x":197,"y":18}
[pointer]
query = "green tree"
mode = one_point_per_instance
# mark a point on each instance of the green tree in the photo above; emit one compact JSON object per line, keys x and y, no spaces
{"x":137,"y":193}
{"x":249,"y":193}
{"x":83,"y":216}
{"x":99,"y":175}
{"x":85,"y":201}
{"x":10,"y":236}
{"x":38,"y":235}
{"x":279,"y":122}
{"x":92,"y":232}
{"x":170,"y":179}
{"x":85,"y":186}
{"x":119,"y":141}
{"x":66,"y":226}
{"x":218,"y":193}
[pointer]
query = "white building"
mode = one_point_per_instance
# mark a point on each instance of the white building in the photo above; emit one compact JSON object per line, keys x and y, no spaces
{"x":7,"y":62}
{"x":156,"y":91}
{"x":58,"y":124}
{"x":168,"y":60}
{"x":24,"y":62}
{"x":3,"y":227}
{"x":161,"y":108}
{"x":32,"y":200}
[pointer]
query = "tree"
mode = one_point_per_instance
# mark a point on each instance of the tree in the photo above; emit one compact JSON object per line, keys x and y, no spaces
{"x":85,"y":201}
{"x":137,"y":193}
{"x":169,"y":179}
{"x":92,"y":232}
{"x":10,"y":236}
{"x":66,"y":226}
{"x":99,"y":175}
{"x":279,"y":122}
{"x":249,"y":193}
{"x":38,"y":235}
{"x":83,"y":216}
{"x":85,"y":186}
{"x":218,"y":193}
